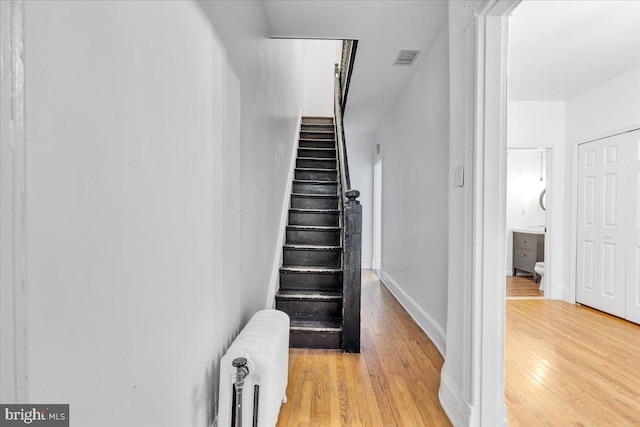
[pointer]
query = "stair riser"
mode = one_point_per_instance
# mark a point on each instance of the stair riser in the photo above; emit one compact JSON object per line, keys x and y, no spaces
{"x":298,"y":202}
{"x":303,"y":218}
{"x":317,"y":153}
{"x":316,"y":163}
{"x":311,"y":257}
{"x":311,"y":281}
{"x":304,"y":188}
{"x":314,"y":309}
{"x":317,"y":135}
{"x":298,"y":339}
{"x":317,"y":120}
{"x":313,"y":237}
{"x":317,"y":127}
{"x":317,"y":175}
{"x":309,"y":143}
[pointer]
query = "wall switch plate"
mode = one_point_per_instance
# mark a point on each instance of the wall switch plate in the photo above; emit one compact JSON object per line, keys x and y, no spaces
{"x":458,"y":175}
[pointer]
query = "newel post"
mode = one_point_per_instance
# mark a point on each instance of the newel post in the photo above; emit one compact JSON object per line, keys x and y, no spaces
{"x":351,"y":273}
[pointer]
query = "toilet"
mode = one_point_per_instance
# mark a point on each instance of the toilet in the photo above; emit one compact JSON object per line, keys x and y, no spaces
{"x":539,"y":269}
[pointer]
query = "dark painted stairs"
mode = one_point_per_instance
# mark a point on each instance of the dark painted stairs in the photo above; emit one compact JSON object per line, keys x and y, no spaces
{"x":311,"y":273}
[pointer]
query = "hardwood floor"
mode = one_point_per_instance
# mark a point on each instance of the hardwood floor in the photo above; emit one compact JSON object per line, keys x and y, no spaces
{"x":570,"y":365}
{"x":518,"y":286}
{"x":393,"y":381}
{"x":565,"y":365}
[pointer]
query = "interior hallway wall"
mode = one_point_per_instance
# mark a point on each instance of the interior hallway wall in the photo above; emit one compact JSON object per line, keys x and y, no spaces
{"x":156,"y":165}
{"x":320,"y":57}
{"x":360,"y":153}
{"x":415,"y":144}
{"x":607,"y":108}
{"x":271,"y":89}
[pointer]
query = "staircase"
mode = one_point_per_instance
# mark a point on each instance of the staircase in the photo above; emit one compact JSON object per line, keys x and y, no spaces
{"x":311,"y":273}
{"x":321,"y":257}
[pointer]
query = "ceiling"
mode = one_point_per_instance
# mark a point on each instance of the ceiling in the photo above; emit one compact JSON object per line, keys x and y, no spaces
{"x":382,"y":28}
{"x":558,"y":49}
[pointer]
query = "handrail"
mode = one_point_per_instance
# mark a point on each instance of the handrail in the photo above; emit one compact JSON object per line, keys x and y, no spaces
{"x":349,"y":48}
{"x":342,"y":149}
{"x":351,"y":221}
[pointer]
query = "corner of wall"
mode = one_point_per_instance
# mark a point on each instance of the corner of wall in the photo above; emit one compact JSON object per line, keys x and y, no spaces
{"x":428,"y":325}
{"x":277,"y":257}
{"x":456,"y":408}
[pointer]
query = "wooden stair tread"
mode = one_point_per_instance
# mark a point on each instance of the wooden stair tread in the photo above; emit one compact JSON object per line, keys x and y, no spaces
{"x":328,"y":211}
{"x":311,"y":247}
{"x":313,"y":227}
{"x":309,"y":269}
{"x":314,"y":181}
{"x":320,"y":140}
{"x":319,"y":196}
{"x":330,"y":326}
{"x":316,"y":169}
{"x":309,"y":295}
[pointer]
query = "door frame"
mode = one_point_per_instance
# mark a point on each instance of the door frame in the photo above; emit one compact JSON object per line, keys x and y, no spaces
{"x":472,"y":379}
{"x":376,"y":262}
{"x":552,"y":240}
{"x":13,"y":253}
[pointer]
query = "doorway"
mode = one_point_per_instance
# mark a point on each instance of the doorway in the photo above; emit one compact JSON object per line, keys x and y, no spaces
{"x":526,"y":223}
{"x":377,"y":217}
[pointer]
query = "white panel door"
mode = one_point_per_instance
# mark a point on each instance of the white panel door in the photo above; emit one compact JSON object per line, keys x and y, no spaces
{"x":602,"y":229}
{"x":633,"y":227}
{"x":588,"y":220}
{"x":613,"y":226}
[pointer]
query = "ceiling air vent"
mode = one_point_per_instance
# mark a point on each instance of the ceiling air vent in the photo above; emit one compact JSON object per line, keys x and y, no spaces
{"x":406,"y":57}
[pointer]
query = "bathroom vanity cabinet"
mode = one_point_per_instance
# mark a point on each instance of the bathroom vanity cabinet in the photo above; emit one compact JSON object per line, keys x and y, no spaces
{"x":528,"y":248}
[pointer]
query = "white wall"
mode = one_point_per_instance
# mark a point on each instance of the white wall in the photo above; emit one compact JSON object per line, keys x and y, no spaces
{"x":533,"y":124}
{"x":415,"y":142}
{"x":360,"y":151}
{"x":320,"y":57}
{"x":603,"y":110}
{"x":271,"y":75}
{"x":156,"y":173}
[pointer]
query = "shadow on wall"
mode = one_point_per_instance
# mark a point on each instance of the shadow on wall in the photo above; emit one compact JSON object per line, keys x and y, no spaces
{"x":204,"y":398}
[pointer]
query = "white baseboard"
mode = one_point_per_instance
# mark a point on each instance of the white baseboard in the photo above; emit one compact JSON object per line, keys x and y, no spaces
{"x":428,"y":325}
{"x":284,"y":216}
{"x":456,"y":408}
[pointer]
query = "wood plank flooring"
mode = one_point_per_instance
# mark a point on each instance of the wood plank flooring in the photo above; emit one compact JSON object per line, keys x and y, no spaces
{"x":393,"y":381}
{"x":518,"y":286}
{"x":569,"y":365}
{"x":565,"y":365}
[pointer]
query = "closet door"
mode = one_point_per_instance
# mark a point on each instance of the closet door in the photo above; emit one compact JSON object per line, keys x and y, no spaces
{"x":588,"y":219}
{"x":633,"y":227}
{"x":602,"y":225}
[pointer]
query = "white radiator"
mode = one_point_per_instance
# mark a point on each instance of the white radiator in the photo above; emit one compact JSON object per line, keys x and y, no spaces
{"x":264,"y":342}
